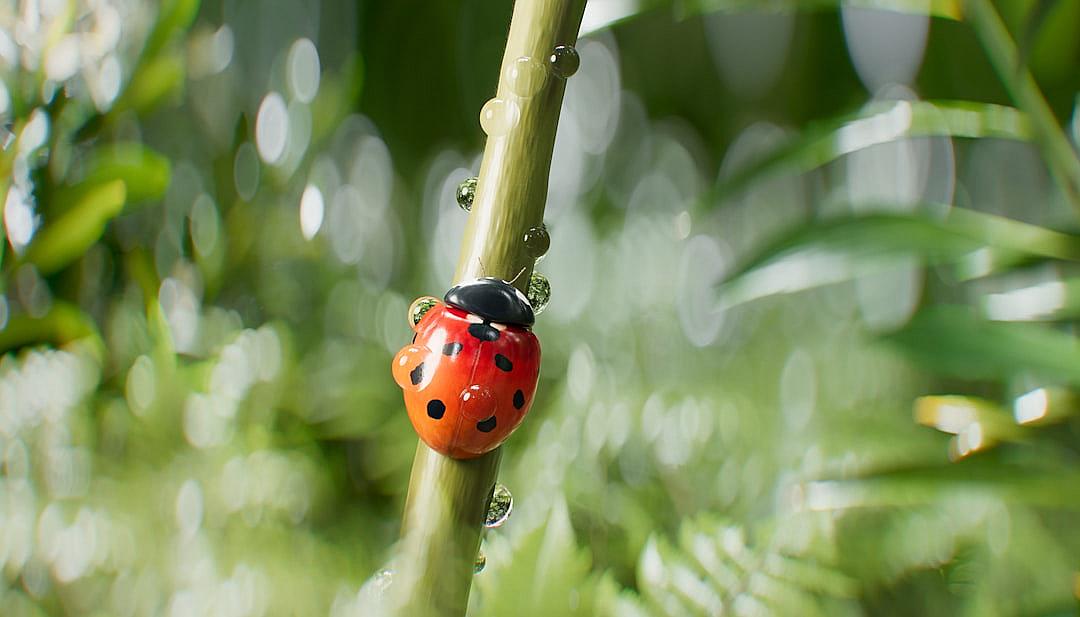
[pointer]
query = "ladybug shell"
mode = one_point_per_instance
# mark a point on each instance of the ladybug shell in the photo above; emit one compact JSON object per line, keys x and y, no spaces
{"x":468,"y":382}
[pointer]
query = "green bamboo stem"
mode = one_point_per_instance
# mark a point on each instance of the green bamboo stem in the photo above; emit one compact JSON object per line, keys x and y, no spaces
{"x":1019,"y":82}
{"x":448,"y":498}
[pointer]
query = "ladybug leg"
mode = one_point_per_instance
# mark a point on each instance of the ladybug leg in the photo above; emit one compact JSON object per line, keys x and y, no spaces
{"x":409,"y":367}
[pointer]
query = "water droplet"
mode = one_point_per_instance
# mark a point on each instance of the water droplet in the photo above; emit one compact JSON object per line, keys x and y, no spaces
{"x":564,"y":61}
{"x":525,"y":76}
{"x":382,"y":579}
{"x":481,"y":561}
{"x":466,"y":191}
{"x":502,"y":503}
{"x":420,"y":307}
{"x":539,"y":292}
{"x":537,"y":241}
{"x":498,"y":117}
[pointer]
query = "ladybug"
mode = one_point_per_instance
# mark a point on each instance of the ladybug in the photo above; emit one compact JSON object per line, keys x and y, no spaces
{"x":470,"y":374}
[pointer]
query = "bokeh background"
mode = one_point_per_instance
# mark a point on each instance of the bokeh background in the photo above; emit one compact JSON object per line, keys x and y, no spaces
{"x":809,"y":349}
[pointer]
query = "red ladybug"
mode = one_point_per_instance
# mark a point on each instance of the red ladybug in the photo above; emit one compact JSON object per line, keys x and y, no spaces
{"x":470,"y":373}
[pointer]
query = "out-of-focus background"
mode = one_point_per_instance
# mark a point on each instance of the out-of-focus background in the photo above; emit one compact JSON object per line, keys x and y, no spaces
{"x":809,"y":348}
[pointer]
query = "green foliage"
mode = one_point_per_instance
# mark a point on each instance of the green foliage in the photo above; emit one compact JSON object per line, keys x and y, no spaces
{"x":196,"y":382}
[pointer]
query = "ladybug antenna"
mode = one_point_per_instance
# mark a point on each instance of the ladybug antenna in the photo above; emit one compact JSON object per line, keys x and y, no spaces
{"x":518,"y":275}
{"x":483,"y":270}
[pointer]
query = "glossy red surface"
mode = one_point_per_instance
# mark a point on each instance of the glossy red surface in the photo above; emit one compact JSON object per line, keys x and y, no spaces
{"x":459,"y":395}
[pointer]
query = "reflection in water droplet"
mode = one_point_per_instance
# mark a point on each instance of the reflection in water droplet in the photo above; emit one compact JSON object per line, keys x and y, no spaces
{"x":498,"y":117}
{"x":539,"y":292}
{"x":537,"y":241}
{"x":481,"y":561}
{"x":502,"y":503}
{"x":466,"y":191}
{"x":564,"y":61}
{"x":420,"y":307}
{"x":525,"y":76}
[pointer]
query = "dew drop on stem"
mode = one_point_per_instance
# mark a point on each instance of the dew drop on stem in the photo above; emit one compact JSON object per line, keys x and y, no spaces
{"x":525,"y":76}
{"x":537,"y":241}
{"x":498,"y":117}
{"x":502,"y":503}
{"x":466,"y":191}
{"x":481,"y":561}
{"x":564,"y":61}
{"x":539,"y":292}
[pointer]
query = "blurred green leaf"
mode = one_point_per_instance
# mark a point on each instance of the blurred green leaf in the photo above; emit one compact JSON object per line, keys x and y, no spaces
{"x":145,"y":174}
{"x":64,"y":240}
{"x":174,"y":17}
{"x":954,"y":340}
{"x":548,"y":573}
{"x":153,"y":82}
{"x":981,"y":475}
{"x":839,"y":249}
{"x":949,"y":9}
{"x":714,"y":570}
{"x":877,"y":123}
{"x":62,"y":324}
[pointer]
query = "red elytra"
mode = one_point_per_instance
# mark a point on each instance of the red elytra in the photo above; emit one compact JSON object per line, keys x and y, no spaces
{"x":470,"y":374}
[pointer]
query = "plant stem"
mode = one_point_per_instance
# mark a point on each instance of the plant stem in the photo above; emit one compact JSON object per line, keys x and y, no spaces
{"x":448,"y":498}
{"x":1021,"y":85}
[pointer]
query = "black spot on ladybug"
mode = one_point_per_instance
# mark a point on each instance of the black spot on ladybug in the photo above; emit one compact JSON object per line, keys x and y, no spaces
{"x":435,"y":409}
{"x":503,"y":362}
{"x":519,"y":399}
{"x":484,"y":332}
{"x":417,"y":374}
{"x":452,"y":349}
{"x":486,"y":426}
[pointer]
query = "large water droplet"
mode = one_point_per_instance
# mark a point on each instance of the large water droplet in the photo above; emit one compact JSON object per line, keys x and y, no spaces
{"x":525,"y":76}
{"x":466,"y":191}
{"x":537,"y":241}
{"x":498,"y":117}
{"x":539,"y":292}
{"x":564,"y":61}
{"x":481,"y":561}
{"x":420,"y":307}
{"x":502,"y":503}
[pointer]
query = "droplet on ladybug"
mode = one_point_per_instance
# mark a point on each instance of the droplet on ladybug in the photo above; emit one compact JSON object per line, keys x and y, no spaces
{"x":539,"y":292}
{"x":410,"y":367}
{"x":470,"y":375}
{"x":419,"y":308}
{"x":466,"y":191}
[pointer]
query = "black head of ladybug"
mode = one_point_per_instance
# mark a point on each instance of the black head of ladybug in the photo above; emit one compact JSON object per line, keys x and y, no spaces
{"x":492,"y":299}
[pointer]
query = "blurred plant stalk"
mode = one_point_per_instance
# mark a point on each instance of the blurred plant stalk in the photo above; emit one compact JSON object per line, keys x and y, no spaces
{"x":447,"y":499}
{"x":1021,"y":86}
